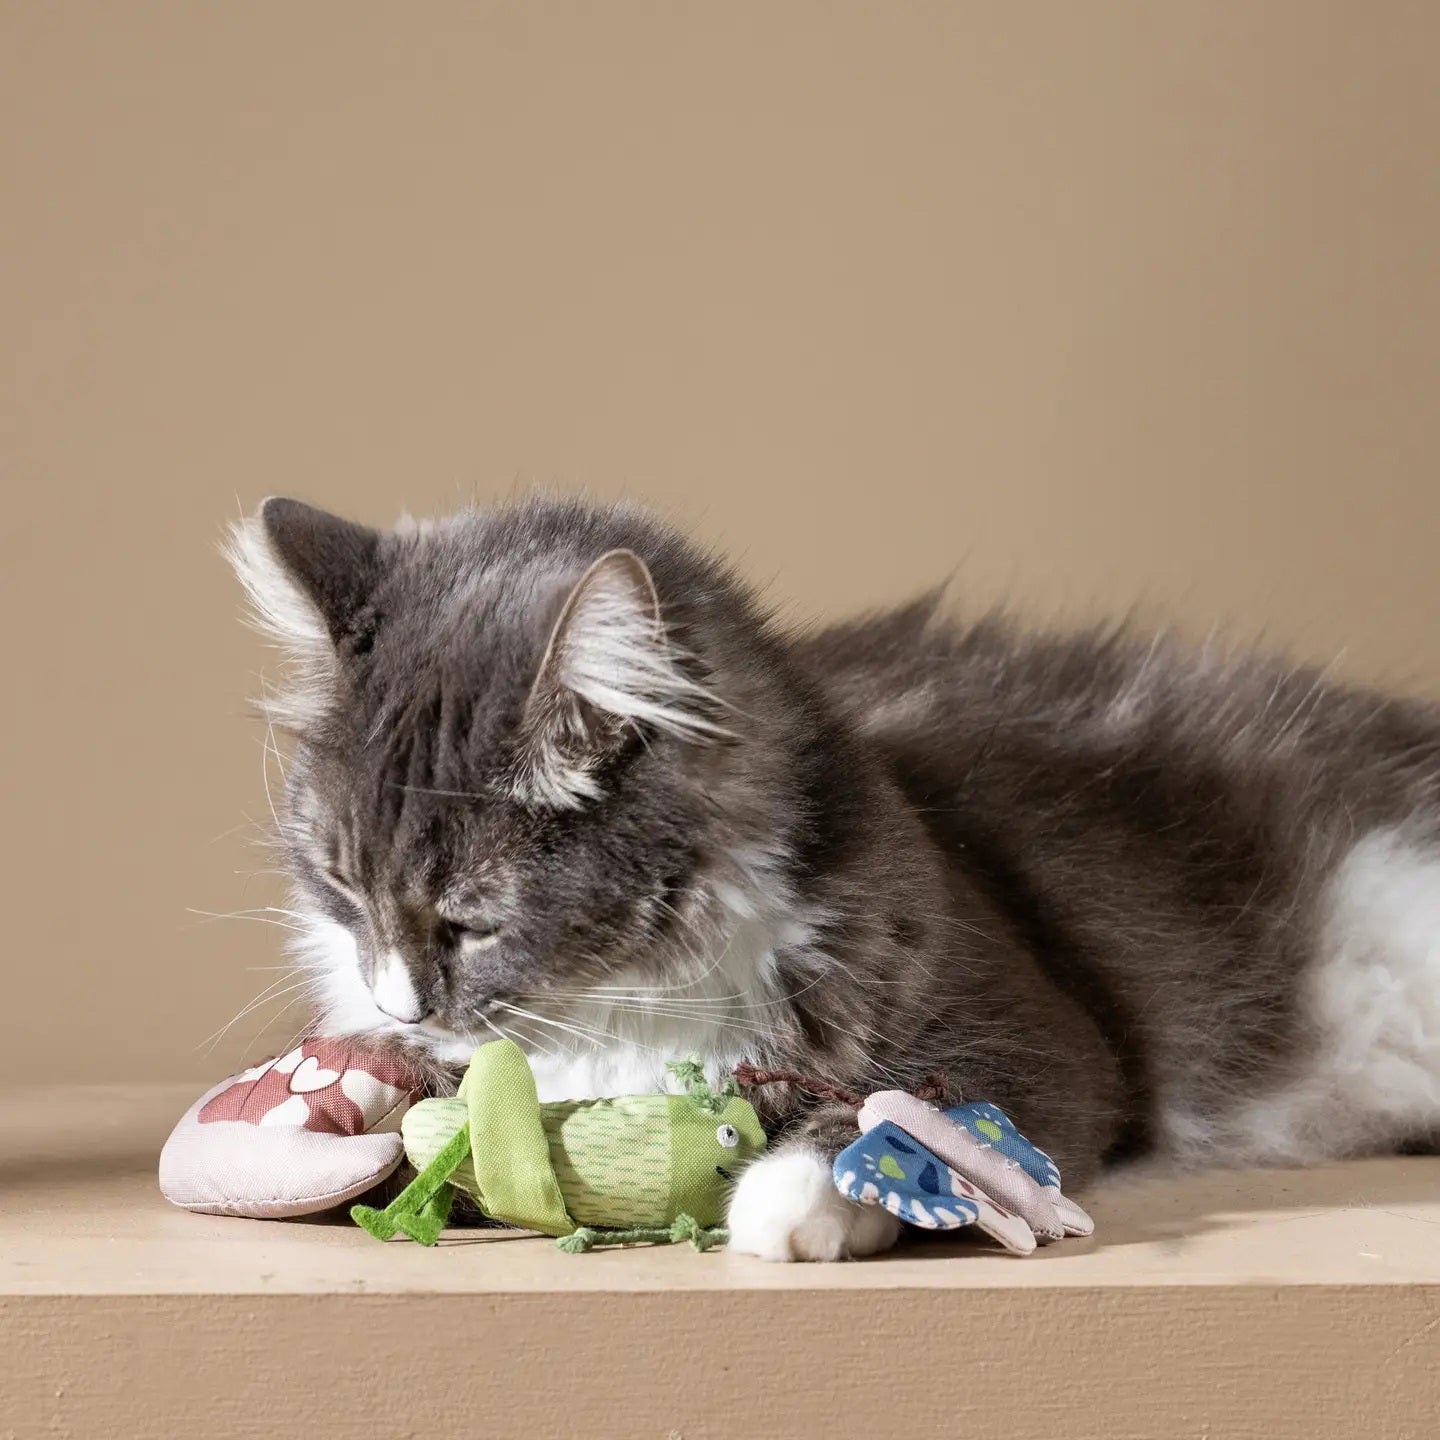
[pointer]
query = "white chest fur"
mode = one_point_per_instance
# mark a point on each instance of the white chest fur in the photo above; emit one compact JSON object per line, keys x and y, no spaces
{"x":716,"y":1013}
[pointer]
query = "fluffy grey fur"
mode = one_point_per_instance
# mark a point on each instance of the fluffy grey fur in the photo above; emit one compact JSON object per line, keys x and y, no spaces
{"x":562,"y":766}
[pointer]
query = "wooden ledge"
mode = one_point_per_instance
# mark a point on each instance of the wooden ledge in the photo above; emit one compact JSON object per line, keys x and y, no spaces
{"x":1265,"y":1304}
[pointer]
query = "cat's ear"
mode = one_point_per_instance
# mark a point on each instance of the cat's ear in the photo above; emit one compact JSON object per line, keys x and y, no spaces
{"x":315,"y":568}
{"x":609,"y":668}
{"x":308,"y":575}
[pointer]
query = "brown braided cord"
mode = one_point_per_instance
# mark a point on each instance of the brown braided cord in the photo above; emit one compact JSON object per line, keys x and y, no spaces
{"x":935,"y":1086}
{"x":751,"y":1078}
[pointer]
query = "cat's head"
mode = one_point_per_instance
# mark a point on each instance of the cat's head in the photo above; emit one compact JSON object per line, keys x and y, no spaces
{"x":525,"y":762}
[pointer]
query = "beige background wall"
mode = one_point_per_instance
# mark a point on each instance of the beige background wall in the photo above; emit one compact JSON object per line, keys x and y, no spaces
{"x":1101,"y":303}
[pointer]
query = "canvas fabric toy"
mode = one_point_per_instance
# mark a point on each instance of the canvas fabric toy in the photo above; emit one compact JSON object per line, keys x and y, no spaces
{"x":944,"y":1169}
{"x":638,"y":1168}
{"x":329,"y":1120}
{"x":299,"y":1134}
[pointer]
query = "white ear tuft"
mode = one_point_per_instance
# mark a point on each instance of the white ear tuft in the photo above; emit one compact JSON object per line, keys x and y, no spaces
{"x":280,"y":610}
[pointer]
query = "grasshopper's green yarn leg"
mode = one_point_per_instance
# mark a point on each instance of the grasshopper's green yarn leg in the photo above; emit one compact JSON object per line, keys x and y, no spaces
{"x":682,"y":1228}
{"x":421,"y":1209}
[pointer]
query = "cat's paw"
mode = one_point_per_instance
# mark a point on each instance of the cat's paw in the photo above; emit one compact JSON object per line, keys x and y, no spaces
{"x":786,"y":1207}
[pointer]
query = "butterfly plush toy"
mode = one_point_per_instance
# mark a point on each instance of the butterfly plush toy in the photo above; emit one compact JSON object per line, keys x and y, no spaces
{"x":944,"y":1169}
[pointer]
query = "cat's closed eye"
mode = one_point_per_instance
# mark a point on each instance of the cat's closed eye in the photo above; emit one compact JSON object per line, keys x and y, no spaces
{"x":477,"y":936}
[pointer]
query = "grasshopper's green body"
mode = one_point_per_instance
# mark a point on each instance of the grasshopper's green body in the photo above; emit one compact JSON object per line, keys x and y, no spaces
{"x":636,"y":1163}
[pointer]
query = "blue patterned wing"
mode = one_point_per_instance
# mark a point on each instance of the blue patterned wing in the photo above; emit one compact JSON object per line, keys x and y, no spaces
{"x":886,"y":1167}
{"x":992,"y":1127}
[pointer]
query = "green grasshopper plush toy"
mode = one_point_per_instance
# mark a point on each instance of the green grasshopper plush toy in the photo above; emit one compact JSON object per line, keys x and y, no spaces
{"x":620,"y":1171}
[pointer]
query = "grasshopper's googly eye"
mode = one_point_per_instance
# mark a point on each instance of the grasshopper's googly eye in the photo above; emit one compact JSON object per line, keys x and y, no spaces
{"x":728,"y":1136}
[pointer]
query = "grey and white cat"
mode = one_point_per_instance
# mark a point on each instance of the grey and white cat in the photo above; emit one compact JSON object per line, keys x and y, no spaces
{"x":557,"y":775}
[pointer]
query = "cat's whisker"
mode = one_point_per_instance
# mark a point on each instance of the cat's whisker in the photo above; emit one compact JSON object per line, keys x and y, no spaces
{"x":246,"y":824}
{"x":268,"y":748}
{"x":602,"y":1035}
{"x":255,"y":1038}
{"x":272,"y":992}
{"x":708,"y":1021}
{"x":298,"y":915}
{"x":589,"y":1034}
{"x":647,"y":996}
{"x":639,"y":992}
{"x":432,"y":790}
{"x":244,"y":915}
{"x":514,"y":1037}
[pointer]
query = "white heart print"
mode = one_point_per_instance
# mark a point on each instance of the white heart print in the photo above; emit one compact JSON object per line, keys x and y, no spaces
{"x":309,"y":1076}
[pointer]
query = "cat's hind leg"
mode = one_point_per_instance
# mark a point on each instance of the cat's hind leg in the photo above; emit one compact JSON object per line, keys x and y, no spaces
{"x":1367,"y":1078}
